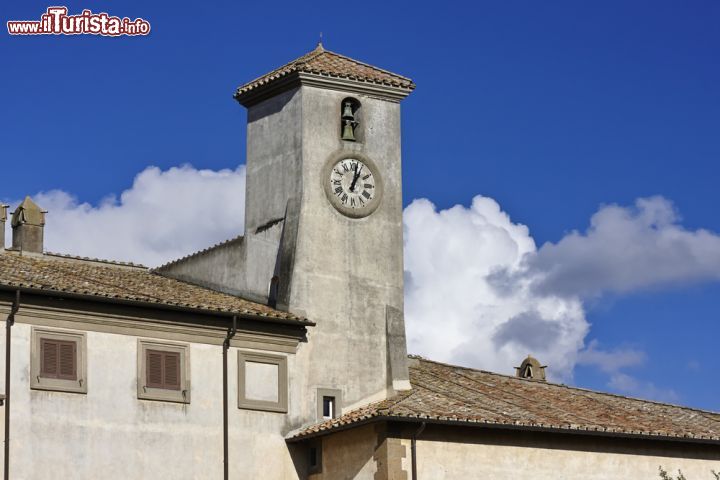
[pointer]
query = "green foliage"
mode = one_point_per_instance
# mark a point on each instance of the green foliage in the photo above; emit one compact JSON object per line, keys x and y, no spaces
{"x":666,"y":476}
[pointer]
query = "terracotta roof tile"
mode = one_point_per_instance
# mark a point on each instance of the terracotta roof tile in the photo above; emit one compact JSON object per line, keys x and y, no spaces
{"x":325,"y":63}
{"x":64,"y":274}
{"x":443,"y":392}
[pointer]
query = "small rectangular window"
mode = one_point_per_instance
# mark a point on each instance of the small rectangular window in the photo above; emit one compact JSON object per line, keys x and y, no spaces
{"x":58,"y":360}
{"x":329,"y":403}
{"x":315,"y":457}
{"x":163,"y":371}
{"x":328,"y":407}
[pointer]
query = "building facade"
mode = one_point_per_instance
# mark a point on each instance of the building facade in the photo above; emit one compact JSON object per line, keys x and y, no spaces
{"x":281,"y":353}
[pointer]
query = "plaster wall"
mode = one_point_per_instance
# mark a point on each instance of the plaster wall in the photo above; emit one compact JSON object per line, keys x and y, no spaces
{"x":349,"y":455}
{"x":345,"y":274}
{"x":506,"y":455}
{"x":110,"y":433}
{"x":347,"y":271}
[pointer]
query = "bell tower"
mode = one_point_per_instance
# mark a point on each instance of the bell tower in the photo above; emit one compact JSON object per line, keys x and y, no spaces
{"x":323,"y":155}
{"x":323,"y":224}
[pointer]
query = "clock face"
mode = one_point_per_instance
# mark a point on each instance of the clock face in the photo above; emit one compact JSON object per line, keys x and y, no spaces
{"x":353,"y":186}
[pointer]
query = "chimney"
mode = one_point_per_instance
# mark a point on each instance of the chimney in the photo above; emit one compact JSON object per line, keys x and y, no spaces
{"x":28,"y":222}
{"x":3,"y":218}
{"x":531,"y":369}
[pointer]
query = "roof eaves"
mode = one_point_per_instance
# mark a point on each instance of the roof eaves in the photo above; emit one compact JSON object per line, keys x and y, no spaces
{"x":440,"y":420}
{"x":176,"y":306}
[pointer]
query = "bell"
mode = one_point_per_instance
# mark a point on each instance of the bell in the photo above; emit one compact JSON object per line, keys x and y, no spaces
{"x":348,"y":131}
{"x":347,"y":112}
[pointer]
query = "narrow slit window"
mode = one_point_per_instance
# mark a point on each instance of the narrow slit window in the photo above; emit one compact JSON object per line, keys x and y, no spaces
{"x":329,"y":403}
{"x":313,"y":457}
{"x":328,"y":407}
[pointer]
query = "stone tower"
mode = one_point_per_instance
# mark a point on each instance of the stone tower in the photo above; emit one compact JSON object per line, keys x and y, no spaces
{"x":323,"y":222}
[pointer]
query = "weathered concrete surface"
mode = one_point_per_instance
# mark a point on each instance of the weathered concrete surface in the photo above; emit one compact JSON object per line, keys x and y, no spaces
{"x":349,"y":455}
{"x":109,"y":430}
{"x":345,"y":274}
{"x":447,"y":453}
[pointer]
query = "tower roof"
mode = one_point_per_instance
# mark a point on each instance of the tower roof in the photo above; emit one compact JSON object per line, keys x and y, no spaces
{"x":28,"y":212}
{"x":321,"y":63}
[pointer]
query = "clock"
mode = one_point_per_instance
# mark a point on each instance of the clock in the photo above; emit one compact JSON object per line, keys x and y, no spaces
{"x":352,"y":184}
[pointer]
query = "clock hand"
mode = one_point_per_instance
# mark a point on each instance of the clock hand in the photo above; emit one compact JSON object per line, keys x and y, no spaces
{"x":355,"y":178}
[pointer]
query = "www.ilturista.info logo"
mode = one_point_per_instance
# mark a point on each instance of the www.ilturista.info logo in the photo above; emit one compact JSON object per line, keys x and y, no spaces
{"x":56,"y":21}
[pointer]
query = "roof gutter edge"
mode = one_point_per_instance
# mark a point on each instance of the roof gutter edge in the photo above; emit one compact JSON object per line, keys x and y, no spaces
{"x":156,"y":306}
{"x":499,"y":426}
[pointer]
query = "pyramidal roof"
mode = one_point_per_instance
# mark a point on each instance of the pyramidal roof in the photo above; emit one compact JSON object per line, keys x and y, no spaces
{"x":324,"y":63}
{"x":28,"y":212}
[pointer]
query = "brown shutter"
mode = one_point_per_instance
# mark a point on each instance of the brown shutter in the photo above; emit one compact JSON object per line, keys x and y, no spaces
{"x":153,"y":361}
{"x":48,"y":358}
{"x":171,"y":370}
{"x":67,"y":368}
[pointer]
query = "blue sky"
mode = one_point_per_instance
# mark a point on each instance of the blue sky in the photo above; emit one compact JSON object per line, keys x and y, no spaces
{"x":552,"y":109}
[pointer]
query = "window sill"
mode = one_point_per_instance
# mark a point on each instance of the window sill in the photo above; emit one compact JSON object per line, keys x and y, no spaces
{"x":162,"y":395}
{"x":55,"y":385}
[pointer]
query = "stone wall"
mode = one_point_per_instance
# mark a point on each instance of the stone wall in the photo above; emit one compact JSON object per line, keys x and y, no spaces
{"x":110,"y":433}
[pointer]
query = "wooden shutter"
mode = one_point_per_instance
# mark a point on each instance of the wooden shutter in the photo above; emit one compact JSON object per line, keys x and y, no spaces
{"x":171,"y":370}
{"x":153,"y":362}
{"x":58,"y":359}
{"x":163,"y":369}
{"x":48,"y":358}
{"x":67,"y":363}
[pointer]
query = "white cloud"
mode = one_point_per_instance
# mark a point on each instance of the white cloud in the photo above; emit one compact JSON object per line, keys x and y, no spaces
{"x":478,"y":291}
{"x":453,"y":310}
{"x":481,"y":294}
{"x":164,"y":215}
{"x":614,"y":362}
{"x":611,"y":361}
{"x":626,"y":249}
{"x":631,"y":386}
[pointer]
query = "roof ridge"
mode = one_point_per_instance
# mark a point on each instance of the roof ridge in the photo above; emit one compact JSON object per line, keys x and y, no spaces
{"x":569,"y":387}
{"x":69,"y":256}
{"x":195,"y":254}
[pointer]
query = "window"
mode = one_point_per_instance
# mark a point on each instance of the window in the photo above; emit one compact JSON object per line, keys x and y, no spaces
{"x":328,"y":403}
{"x":58,"y":361}
{"x":315,"y":457}
{"x":163,"y":371}
{"x":328,"y":407}
{"x":262,"y":382}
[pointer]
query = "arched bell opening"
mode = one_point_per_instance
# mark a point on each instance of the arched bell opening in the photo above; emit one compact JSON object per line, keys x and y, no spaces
{"x":351,"y":124}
